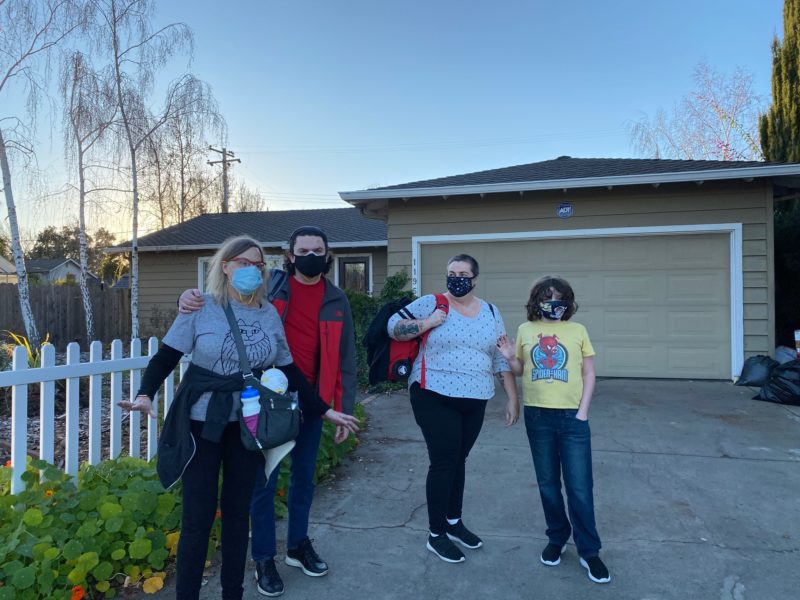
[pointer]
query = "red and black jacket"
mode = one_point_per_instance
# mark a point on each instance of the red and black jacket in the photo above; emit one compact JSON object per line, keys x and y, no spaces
{"x":336,"y":380}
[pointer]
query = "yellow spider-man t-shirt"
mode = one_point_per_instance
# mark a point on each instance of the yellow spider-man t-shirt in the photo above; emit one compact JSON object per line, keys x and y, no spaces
{"x":552,"y":354}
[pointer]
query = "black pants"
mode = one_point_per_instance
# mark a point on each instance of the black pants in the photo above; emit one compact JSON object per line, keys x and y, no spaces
{"x":200,"y":488}
{"x":450,"y":427}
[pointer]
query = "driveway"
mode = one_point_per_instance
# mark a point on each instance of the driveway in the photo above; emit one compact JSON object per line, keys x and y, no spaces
{"x":697,"y":492}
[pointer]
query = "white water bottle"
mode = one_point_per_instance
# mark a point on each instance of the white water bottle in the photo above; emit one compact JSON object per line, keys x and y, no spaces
{"x":250,"y":409}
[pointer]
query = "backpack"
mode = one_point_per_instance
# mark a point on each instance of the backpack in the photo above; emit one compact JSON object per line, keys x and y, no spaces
{"x":389,"y":359}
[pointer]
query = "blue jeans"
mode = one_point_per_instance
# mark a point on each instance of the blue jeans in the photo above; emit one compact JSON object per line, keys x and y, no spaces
{"x":301,"y":494}
{"x":560,"y":443}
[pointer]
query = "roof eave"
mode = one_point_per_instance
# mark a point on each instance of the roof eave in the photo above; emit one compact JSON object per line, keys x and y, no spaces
{"x":362,"y":196}
{"x":199,"y":247}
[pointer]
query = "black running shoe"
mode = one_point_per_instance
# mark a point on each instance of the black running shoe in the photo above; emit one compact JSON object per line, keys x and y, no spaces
{"x":268,"y":581}
{"x":596,"y":570}
{"x":307,"y":559}
{"x":442,"y":547}
{"x":551,"y":555}
{"x":459,"y":533}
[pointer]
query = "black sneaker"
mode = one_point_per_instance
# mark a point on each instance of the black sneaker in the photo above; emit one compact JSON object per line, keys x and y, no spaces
{"x":268,"y":581}
{"x":551,"y":555}
{"x":304,"y":557}
{"x":596,"y":570}
{"x":459,"y":533}
{"x":442,"y":547}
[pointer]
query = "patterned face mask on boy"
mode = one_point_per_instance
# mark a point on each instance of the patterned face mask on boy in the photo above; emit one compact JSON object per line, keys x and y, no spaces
{"x":246,"y":280}
{"x":553,"y":309}
{"x":459,"y":286}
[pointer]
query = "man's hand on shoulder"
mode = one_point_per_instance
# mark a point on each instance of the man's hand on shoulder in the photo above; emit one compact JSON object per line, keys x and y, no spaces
{"x":190,"y":301}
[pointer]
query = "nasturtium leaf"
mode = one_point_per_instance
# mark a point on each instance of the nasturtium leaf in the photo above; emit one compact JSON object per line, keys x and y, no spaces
{"x":118,"y":554}
{"x":139,"y":548}
{"x":152,"y":585}
{"x":33,"y":517}
{"x":72,"y":549}
{"x":109,"y":510}
{"x":77,"y":575}
{"x":102,"y":586}
{"x":103,"y":571}
{"x":114,"y":524}
{"x":23,"y":578}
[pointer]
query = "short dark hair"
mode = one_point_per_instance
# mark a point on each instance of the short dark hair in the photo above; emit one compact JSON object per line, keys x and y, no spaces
{"x":466,"y":258}
{"x":288,"y":265}
{"x":540,"y":292}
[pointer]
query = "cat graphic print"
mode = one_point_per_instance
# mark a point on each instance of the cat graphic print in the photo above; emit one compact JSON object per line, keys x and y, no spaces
{"x":549,"y":358}
{"x":256,"y":344}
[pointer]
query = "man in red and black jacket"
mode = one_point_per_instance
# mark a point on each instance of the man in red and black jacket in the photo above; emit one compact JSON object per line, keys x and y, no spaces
{"x":319,"y":330}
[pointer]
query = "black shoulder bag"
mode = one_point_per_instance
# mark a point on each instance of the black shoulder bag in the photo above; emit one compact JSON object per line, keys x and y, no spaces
{"x":279,"y":417}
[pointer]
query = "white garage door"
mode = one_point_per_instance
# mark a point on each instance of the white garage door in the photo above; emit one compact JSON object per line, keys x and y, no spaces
{"x":655,"y":306}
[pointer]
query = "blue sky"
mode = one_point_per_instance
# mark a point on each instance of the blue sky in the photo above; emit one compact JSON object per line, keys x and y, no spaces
{"x":324,"y":96}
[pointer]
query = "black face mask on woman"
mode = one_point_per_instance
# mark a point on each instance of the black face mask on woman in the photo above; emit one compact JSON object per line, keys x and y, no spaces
{"x":311,"y":265}
{"x":459,"y":286}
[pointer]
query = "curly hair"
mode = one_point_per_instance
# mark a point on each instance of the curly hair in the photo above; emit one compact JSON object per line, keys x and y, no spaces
{"x":541,"y":291}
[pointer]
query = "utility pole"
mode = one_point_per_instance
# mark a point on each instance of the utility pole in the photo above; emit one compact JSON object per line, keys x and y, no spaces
{"x":225,"y":160}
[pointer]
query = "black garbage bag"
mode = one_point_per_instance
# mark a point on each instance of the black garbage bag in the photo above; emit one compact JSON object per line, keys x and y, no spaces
{"x":756,"y":370}
{"x":783,"y":386}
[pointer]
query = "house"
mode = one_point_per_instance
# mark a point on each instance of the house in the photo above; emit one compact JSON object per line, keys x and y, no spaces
{"x":8,"y":272}
{"x":671,"y":260}
{"x":176,"y":258}
{"x":55,"y":270}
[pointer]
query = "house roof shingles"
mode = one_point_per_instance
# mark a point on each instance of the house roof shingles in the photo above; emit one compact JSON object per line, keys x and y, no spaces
{"x":43,"y":265}
{"x":343,"y":226}
{"x":566,"y":167}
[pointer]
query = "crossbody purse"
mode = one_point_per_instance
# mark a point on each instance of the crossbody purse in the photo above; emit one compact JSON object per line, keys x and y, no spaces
{"x":279,"y":414}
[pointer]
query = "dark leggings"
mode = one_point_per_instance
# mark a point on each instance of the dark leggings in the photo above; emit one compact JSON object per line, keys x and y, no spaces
{"x":450,"y":427}
{"x":200,"y":488}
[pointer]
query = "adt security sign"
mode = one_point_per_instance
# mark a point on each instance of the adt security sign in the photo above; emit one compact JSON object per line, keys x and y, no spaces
{"x":564,"y":210}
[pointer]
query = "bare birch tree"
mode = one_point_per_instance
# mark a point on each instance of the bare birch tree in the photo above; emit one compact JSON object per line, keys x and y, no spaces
{"x":89,"y":112}
{"x":29,"y":33}
{"x":137,"y":53}
{"x":718,"y":120}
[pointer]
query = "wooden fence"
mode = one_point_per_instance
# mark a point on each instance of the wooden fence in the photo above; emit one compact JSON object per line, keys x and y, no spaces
{"x":58,"y":310}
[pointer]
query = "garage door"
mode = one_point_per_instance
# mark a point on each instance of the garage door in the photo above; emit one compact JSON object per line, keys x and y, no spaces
{"x":655,"y":306}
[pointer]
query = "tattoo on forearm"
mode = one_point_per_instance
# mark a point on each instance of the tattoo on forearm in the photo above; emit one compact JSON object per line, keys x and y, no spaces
{"x":406,"y":329}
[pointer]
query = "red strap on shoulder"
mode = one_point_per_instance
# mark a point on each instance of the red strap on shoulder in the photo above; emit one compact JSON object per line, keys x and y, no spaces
{"x":441,"y":304}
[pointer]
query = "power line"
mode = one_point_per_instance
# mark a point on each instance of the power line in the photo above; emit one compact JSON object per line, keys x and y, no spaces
{"x":225,"y":160}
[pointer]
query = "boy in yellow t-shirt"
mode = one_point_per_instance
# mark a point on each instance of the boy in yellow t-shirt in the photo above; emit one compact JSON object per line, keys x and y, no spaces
{"x":556,"y":361}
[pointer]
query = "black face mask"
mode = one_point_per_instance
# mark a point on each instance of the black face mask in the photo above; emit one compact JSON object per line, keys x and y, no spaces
{"x":311,"y":265}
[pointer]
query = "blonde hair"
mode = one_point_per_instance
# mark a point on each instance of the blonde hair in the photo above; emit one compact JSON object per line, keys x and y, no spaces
{"x":217,"y":283}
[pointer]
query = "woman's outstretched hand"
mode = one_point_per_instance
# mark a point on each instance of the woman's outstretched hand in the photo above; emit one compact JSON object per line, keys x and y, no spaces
{"x":141,"y":404}
{"x":190,"y":301}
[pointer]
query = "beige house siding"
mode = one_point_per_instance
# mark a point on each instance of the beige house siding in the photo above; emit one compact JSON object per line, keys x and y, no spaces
{"x":748,"y":203}
{"x":164,"y":275}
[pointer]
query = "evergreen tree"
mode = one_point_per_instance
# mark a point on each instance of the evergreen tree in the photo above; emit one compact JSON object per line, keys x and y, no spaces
{"x":780,"y":126}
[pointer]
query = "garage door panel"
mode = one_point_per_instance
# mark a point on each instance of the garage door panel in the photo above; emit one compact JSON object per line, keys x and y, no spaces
{"x":682,"y":324}
{"x":654,"y":306}
{"x":695,"y":362}
{"x":632,"y":252}
{"x":628,"y":324}
{"x":636,"y":287}
{"x":696,"y":251}
{"x":703,"y":286}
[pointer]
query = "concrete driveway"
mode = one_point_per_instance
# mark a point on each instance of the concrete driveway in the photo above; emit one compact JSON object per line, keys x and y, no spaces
{"x":697,"y":492}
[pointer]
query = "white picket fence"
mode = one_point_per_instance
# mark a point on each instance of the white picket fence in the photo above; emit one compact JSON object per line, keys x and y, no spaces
{"x":21,"y":377}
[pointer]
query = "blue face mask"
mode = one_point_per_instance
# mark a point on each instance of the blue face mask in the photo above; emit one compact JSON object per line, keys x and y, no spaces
{"x":459,"y":286}
{"x":553,"y":309}
{"x":246,"y":280}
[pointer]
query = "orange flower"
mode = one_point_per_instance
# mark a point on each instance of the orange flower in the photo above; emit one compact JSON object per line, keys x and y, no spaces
{"x":8,"y":462}
{"x":281,"y":492}
{"x":48,"y":493}
{"x":218,"y":514}
{"x":77,"y":593}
